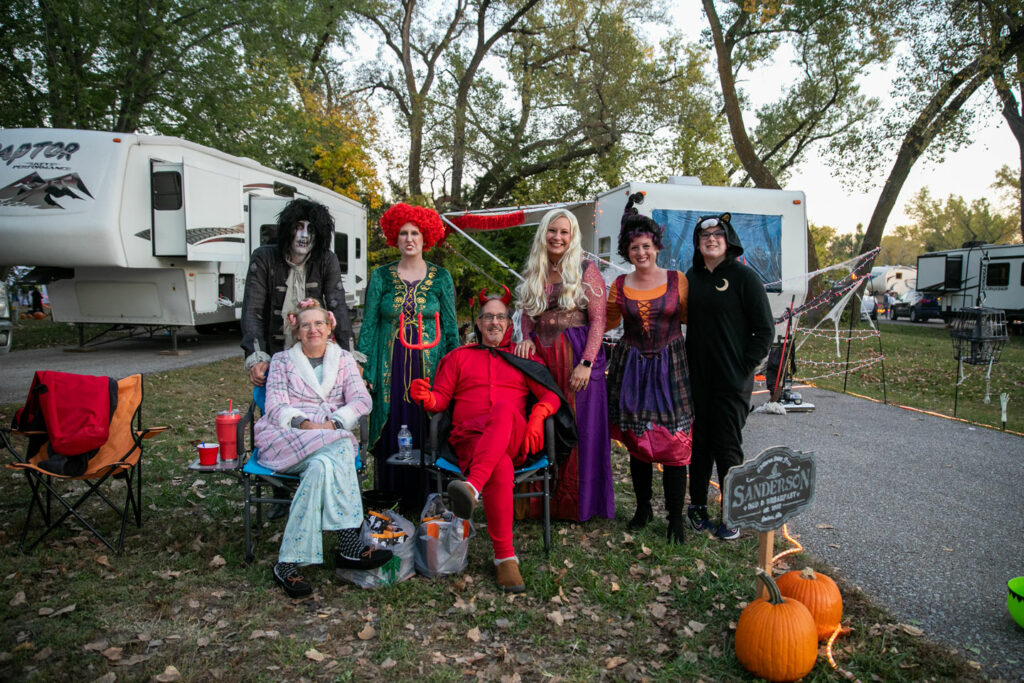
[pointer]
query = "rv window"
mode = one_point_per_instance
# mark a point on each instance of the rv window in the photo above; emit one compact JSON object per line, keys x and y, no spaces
{"x":268,"y":233}
{"x":359,"y":248}
{"x":341,"y":249}
{"x":166,"y":190}
{"x":604,"y":248}
{"x":954,"y":266}
{"x":997,"y":275}
{"x":899,"y":275}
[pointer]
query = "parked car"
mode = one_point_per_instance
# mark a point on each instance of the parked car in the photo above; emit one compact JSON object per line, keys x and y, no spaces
{"x":916,"y":306}
{"x":871,"y":308}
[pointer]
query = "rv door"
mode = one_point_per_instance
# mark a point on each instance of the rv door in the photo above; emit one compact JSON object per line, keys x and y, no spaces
{"x":263,"y":213}
{"x":168,"y":208}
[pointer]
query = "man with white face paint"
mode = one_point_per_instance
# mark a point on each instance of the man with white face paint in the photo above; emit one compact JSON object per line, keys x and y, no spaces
{"x":301,"y":265}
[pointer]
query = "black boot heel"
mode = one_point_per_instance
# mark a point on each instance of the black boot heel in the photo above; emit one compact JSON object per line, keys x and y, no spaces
{"x":641,"y":517}
{"x":675,"y":530}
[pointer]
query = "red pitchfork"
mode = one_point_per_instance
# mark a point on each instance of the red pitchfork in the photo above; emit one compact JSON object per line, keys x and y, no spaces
{"x":421,"y":346}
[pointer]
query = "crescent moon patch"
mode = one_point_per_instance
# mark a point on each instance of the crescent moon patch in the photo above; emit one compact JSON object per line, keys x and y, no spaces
{"x":725,"y":285}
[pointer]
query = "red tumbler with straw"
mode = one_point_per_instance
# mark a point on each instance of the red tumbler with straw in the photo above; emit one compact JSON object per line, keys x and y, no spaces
{"x":227,"y":432}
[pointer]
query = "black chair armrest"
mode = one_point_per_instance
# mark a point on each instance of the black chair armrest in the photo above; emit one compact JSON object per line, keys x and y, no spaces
{"x":436,"y":432}
{"x":247,"y":425}
{"x":549,"y":438}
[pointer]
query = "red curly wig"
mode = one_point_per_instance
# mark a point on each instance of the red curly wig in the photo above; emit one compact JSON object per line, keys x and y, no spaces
{"x":423,"y":218}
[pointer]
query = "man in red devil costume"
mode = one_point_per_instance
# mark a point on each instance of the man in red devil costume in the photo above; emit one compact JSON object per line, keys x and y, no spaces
{"x":492,"y":433}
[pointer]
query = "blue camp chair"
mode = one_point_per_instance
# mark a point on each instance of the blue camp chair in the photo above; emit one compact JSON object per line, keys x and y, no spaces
{"x":539,"y":467}
{"x":254,"y":475}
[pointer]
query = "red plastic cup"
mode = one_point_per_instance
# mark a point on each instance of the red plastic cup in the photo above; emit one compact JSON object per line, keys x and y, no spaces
{"x":227,"y":430}
{"x":207,"y":453}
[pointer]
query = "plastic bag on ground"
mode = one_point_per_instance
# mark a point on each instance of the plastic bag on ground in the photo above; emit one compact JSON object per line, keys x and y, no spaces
{"x":442,"y":540}
{"x":391,"y":531}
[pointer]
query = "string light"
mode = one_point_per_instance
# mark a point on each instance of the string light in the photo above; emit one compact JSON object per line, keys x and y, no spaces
{"x":791,"y":551}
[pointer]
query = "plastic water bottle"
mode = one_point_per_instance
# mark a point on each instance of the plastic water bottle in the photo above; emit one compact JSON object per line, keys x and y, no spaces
{"x":404,"y":444}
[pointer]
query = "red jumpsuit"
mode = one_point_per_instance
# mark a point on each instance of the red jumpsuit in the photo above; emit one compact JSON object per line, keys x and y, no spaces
{"x":490,"y":402}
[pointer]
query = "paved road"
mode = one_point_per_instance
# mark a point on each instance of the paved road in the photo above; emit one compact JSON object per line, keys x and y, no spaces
{"x":116,"y":359}
{"x":927,"y":515}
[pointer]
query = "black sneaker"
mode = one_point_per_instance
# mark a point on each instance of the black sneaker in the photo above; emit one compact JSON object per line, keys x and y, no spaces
{"x":287,"y":574}
{"x":697,"y":516}
{"x":368,"y":558}
{"x":726,"y":534}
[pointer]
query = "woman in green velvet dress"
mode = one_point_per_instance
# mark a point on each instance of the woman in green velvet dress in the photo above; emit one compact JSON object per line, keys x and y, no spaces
{"x":411,"y":286}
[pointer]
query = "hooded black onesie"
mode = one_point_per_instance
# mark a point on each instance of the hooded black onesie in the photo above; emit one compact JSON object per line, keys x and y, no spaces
{"x":729,"y":330}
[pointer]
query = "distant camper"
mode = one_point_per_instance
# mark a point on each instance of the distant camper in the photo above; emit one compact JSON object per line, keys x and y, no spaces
{"x":150,"y":230}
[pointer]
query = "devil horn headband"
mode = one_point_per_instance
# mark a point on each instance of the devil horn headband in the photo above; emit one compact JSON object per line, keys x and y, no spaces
{"x":506,"y":298}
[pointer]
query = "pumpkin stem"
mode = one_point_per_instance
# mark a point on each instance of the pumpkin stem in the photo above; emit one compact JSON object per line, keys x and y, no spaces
{"x":808,"y":573}
{"x":774,"y":594}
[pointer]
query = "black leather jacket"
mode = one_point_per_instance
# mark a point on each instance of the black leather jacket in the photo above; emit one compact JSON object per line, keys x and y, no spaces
{"x":265,"y":286}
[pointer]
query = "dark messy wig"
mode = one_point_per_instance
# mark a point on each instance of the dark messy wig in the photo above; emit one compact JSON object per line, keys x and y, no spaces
{"x":321,"y":225}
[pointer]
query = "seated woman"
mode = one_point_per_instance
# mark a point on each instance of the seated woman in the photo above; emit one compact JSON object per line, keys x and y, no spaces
{"x":315,"y":397}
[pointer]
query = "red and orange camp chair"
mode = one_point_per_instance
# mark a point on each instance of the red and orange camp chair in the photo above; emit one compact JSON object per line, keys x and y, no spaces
{"x":120,"y":455}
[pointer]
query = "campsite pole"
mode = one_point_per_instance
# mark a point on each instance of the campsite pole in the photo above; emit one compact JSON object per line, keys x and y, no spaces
{"x":482,"y":248}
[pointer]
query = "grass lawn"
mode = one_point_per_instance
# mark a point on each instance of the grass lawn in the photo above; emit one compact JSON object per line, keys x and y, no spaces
{"x":606,"y":604}
{"x":919,"y":371}
{"x":40,"y":334}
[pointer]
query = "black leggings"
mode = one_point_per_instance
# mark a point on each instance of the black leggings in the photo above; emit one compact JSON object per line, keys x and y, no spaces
{"x":717,"y":437}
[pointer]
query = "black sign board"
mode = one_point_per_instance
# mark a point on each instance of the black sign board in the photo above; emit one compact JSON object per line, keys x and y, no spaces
{"x":765,"y":492}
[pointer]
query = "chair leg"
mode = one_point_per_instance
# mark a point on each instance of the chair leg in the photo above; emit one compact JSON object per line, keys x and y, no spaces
{"x":547,"y":512}
{"x":246,"y":514}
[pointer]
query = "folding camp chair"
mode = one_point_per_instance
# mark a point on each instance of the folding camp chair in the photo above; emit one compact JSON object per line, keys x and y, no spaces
{"x":120,"y":456}
{"x":254,"y":475}
{"x":538,"y":468}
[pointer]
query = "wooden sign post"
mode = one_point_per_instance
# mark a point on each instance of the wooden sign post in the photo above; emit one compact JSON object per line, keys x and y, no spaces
{"x":763,"y":493}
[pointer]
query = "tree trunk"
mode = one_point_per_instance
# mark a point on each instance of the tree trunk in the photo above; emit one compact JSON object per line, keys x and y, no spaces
{"x":752,"y":163}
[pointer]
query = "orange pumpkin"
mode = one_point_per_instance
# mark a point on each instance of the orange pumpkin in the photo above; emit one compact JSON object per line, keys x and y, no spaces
{"x":776,"y":637}
{"x":820,"y":595}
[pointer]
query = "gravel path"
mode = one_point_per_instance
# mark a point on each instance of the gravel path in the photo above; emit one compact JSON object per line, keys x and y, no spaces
{"x":926,"y":515}
{"x":116,"y":359}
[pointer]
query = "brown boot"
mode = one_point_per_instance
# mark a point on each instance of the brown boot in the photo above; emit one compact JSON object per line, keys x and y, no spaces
{"x":509,"y":578}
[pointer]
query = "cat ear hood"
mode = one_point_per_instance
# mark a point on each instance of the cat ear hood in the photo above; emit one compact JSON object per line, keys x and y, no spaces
{"x":734,"y":248}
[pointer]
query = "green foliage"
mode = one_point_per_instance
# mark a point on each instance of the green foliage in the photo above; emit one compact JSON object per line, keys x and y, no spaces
{"x":948,"y":224}
{"x":833,"y":246}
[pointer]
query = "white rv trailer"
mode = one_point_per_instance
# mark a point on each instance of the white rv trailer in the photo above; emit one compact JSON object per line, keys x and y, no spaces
{"x":989,"y":275}
{"x":149,"y":230}
{"x":771,"y":224}
{"x":897,"y":279}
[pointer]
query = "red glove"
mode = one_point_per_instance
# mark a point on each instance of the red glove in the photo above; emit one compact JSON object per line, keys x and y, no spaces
{"x":420,"y":391}
{"x":534,"y":439}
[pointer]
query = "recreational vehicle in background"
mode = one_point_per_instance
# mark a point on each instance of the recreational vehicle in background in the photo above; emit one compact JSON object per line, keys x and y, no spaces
{"x":897,"y":280}
{"x":149,"y":230}
{"x":771,"y":224}
{"x":977,"y":274}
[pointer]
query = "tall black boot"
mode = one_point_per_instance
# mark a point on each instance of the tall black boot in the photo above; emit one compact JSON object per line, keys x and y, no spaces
{"x":674,"y":480}
{"x":641,"y":473}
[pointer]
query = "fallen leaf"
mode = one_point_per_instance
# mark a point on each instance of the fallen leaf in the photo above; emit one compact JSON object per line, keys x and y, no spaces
{"x":700,"y":565}
{"x":170,"y":675}
{"x":109,"y":677}
{"x":45,"y":611}
{"x":613,"y":662}
{"x":911,"y":630}
{"x":113,"y":654}
{"x":258,"y":633}
{"x":218,"y":562}
{"x":202,"y":641}
{"x":615,"y":587}
{"x":388,"y":663}
{"x":102,"y":560}
{"x":473,"y":634}
{"x":18,"y":600}
{"x":63,"y":610}
{"x":315,"y":655}
{"x":167,"y":574}
{"x":556,"y":618}
{"x":134,"y":659}
{"x":690,"y":657}
{"x":367,"y":633}
{"x":45,"y":653}
{"x":696,"y":626}
{"x":658,"y":610}
{"x":824,"y":526}
{"x":96,"y":646}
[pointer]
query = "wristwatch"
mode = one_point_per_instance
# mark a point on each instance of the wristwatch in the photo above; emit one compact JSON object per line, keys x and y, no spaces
{"x":587,"y":363}
{"x":336,"y":422}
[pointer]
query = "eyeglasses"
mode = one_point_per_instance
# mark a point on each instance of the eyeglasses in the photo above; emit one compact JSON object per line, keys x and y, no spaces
{"x":318,"y":324}
{"x":491,"y":317}
{"x":708,"y":236}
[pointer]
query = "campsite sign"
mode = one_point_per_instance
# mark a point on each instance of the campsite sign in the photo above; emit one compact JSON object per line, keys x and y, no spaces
{"x":765,"y":492}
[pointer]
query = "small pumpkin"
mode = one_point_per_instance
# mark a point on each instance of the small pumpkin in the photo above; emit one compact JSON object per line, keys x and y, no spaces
{"x":820,"y":595}
{"x":776,"y":637}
